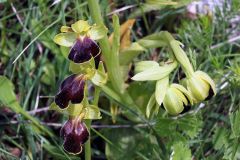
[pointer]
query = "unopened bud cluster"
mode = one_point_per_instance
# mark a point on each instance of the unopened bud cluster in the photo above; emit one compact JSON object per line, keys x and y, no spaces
{"x":175,"y":98}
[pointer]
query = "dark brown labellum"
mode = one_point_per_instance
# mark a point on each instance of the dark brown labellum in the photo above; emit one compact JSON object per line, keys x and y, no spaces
{"x":75,"y":134}
{"x":186,"y":109}
{"x":210,"y":94}
{"x":83,"y":50}
{"x":72,"y":89}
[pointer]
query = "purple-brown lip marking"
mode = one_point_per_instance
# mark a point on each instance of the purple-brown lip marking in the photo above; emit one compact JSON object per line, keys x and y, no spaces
{"x":75,"y":134}
{"x":83,"y":50}
{"x":71,"y":89}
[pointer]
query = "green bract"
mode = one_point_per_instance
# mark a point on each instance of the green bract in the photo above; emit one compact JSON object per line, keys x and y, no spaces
{"x":200,"y":86}
{"x":73,"y":110}
{"x":100,"y":77}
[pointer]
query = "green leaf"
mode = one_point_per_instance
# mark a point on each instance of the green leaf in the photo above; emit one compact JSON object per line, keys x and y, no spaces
{"x":47,"y":38}
{"x":181,"y":152}
{"x":235,"y":119}
{"x":49,"y":74}
{"x":127,"y":54}
{"x":161,"y":2}
{"x":7,"y":95}
{"x":114,"y":60}
{"x":154,"y":40}
{"x":165,"y":126}
{"x":220,"y":138}
{"x":190,"y":125}
{"x":8,"y":98}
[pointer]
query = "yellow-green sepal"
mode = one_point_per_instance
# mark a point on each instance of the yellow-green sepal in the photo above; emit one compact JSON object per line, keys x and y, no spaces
{"x":208,"y":79}
{"x":97,"y":32}
{"x":144,"y":65}
{"x":155,"y":73}
{"x":80,"y":26}
{"x":65,"y":39}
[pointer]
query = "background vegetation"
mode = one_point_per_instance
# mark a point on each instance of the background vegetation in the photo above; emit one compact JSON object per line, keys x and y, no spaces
{"x":209,"y":131}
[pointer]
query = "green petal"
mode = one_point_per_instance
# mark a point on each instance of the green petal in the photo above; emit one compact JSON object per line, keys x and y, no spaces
{"x":181,"y":96}
{"x":65,"y":39}
{"x":198,"y":88}
{"x":184,"y":91}
{"x":208,"y":79}
{"x":150,"y":105}
{"x":161,"y":89}
{"x":172,"y":103}
{"x":97,"y":32}
{"x":80,"y":26}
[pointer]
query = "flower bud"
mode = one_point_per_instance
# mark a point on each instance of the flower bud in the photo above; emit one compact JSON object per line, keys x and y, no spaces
{"x":176,"y":99}
{"x":75,"y":134}
{"x":200,"y":86}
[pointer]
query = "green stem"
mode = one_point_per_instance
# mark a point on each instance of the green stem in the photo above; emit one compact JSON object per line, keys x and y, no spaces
{"x":87,"y":145}
{"x":88,"y":124}
{"x":105,"y":47}
{"x":179,"y":54}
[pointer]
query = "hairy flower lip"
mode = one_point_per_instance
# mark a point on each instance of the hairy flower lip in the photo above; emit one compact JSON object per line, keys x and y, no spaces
{"x":71,"y":89}
{"x":83,"y":50}
{"x":75,"y":134}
